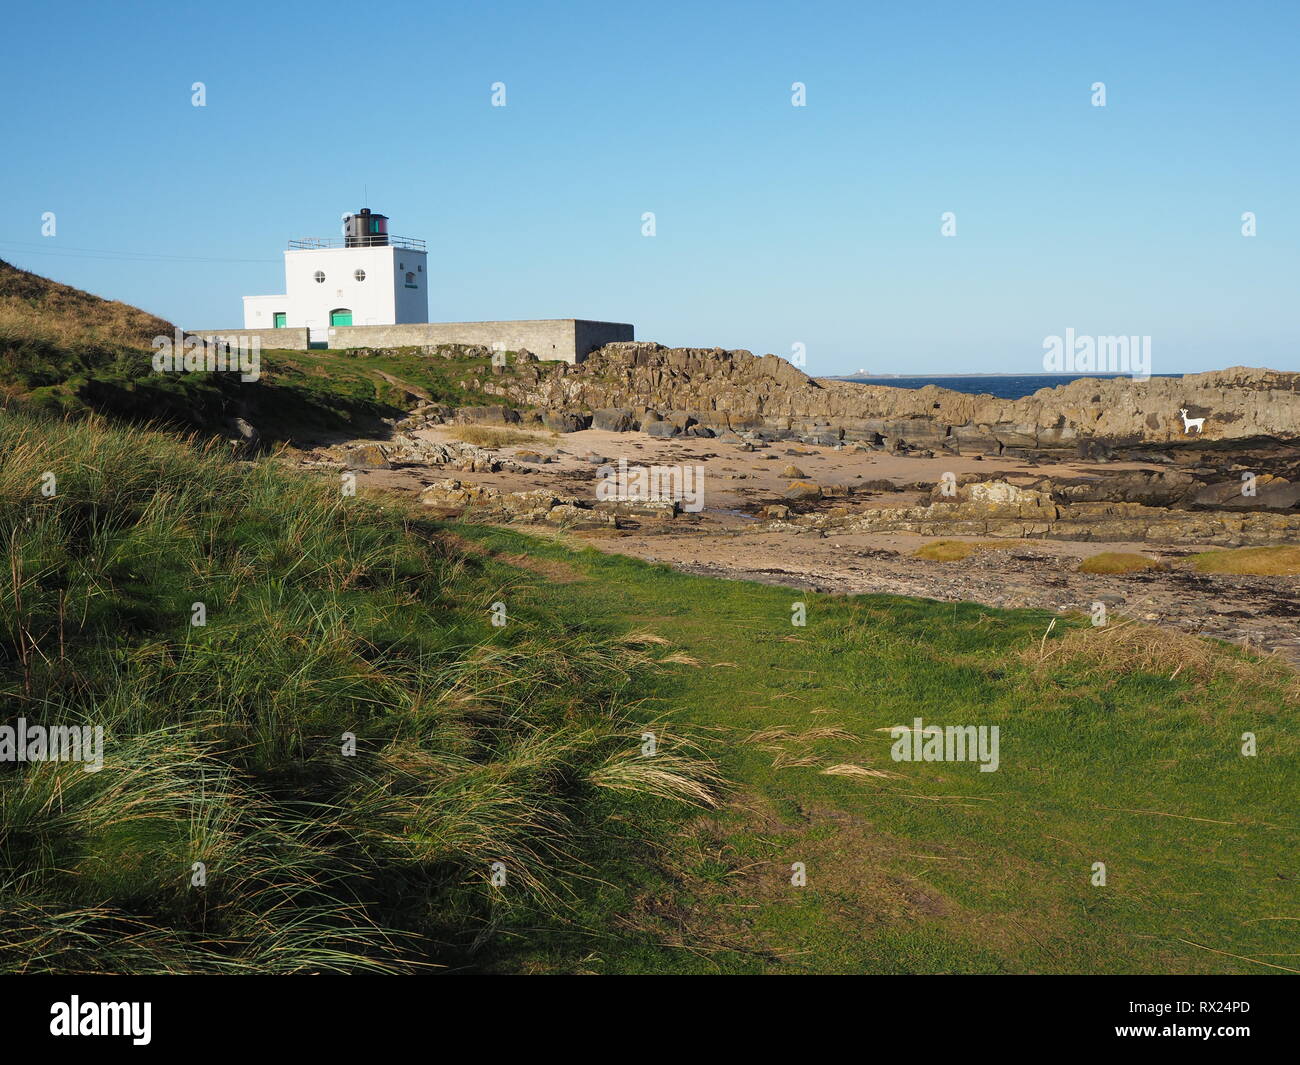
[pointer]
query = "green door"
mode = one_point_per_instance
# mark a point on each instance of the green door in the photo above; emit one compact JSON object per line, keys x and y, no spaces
{"x":341,"y":317}
{"x":277,"y":320}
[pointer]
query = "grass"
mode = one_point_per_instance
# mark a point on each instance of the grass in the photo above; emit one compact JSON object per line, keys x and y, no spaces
{"x":34,"y":307}
{"x":1117,"y":562}
{"x":1281,"y":561}
{"x":335,"y":770}
{"x":482,"y":749}
{"x":298,"y":397}
{"x":491,"y":436}
{"x":1120,"y":744}
{"x":67,"y":352}
{"x":345,"y":753}
{"x":957,"y":550}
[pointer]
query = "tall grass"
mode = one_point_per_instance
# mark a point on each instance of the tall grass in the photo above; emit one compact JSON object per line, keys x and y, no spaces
{"x":228,"y":830}
{"x":35,"y":306}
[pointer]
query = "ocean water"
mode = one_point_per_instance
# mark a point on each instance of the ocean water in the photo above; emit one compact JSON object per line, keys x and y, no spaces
{"x":1002,"y":387}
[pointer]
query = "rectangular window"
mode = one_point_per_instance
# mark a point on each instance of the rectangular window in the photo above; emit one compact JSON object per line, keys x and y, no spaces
{"x":277,"y":320}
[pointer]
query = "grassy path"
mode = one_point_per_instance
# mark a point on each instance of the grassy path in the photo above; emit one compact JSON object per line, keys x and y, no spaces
{"x":1116,"y":747}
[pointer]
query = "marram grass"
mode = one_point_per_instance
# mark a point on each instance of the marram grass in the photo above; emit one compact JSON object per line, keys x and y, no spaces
{"x":228,"y":831}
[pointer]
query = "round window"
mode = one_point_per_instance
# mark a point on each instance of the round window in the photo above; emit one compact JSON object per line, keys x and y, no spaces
{"x":320,"y":277}
{"x":360,"y":275}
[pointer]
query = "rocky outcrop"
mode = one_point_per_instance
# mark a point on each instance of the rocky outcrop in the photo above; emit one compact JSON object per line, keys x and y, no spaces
{"x":736,"y":390}
{"x":1002,"y":509}
{"x":448,"y":498}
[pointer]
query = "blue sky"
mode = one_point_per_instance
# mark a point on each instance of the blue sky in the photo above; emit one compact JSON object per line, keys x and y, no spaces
{"x":776,"y":225}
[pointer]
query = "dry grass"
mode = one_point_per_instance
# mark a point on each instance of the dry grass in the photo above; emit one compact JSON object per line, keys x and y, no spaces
{"x":1128,"y":647}
{"x":956,"y":550}
{"x":1282,"y":561}
{"x":493,"y":436}
{"x":35,"y":306}
{"x":552,"y":568}
{"x":1117,"y":562}
{"x":847,"y":769}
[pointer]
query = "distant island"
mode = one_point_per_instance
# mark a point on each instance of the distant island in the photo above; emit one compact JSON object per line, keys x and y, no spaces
{"x":862,"y":375}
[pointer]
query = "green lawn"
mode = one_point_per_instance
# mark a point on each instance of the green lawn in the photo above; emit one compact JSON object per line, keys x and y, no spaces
{"x":1104,"y":758}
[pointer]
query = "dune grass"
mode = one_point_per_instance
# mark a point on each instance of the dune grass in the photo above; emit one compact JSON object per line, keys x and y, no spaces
{"x":32,"y":306}
{"x":1280,"y":561}
{"x":492,"y":436}
{"x":328,"y":773}
{"x":1117,"y":562}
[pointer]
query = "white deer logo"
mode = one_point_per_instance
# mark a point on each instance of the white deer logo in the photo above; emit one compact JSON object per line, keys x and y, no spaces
{"x":1191,"y":423}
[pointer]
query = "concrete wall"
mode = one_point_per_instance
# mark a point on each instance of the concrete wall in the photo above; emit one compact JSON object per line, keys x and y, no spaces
{"x":291,"y":339}
{"x":564,"y":339}
{"x":592,"y":335}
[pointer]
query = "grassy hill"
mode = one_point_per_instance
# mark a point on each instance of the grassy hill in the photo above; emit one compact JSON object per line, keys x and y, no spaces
{"x":67,"y":352}
{"x":32,"y":306}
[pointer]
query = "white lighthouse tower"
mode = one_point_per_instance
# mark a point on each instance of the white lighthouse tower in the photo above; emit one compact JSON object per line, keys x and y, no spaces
{"x":366,"y":277}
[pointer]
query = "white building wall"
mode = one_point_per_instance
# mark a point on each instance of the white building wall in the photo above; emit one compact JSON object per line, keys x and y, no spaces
{"x":259,"y":311}
{"x":394,"y":291}
{"x":411,"y":296}
{"x":371,"y":301}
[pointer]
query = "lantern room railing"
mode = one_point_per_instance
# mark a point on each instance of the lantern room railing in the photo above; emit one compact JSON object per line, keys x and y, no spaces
{"x":367,"y":240}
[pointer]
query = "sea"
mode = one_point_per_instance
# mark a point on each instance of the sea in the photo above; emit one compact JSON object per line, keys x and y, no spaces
{"x":1009,"y":387}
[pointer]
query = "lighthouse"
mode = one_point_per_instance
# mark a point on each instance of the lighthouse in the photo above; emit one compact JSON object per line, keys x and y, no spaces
{"x":364,"y":277}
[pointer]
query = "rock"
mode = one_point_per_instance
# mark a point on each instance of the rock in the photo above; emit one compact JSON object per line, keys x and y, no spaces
{"x":1271,"y":493}
{"x":801,"y":490}
{"x":662,"y":429}
{"x":571,"y":516}
{"x":488,"y":415}
{"x":775,"y":511}
{"x":564,"y":421}
{"x":613,"y":419}
{"x":367,"y":457}
{"x":451,"y":495}
{"x":1090,"y":417}
{"x":793,"y":473}
{"x":455,"y":496}
{"x":245,"y":431}
{"x":652,"y":509}
{"x":527,"y":506}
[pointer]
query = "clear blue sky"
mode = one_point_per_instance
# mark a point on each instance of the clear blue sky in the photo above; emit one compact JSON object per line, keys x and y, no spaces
{"x":776,"y":224}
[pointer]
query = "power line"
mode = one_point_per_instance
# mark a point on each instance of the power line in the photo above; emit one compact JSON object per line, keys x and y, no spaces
{"x":122,"y":256}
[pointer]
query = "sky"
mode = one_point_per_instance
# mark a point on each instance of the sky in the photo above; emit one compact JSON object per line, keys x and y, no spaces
{"x":774,"y":225}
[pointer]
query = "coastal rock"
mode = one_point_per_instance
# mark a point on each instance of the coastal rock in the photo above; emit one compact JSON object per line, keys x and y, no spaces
{"x":367,"y":457}
{"x":739,"y":391}
{"x":565,"y":421}
{"x":614,"y":420}
{"x":488,"y":415}
{"x":802,"y":490}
